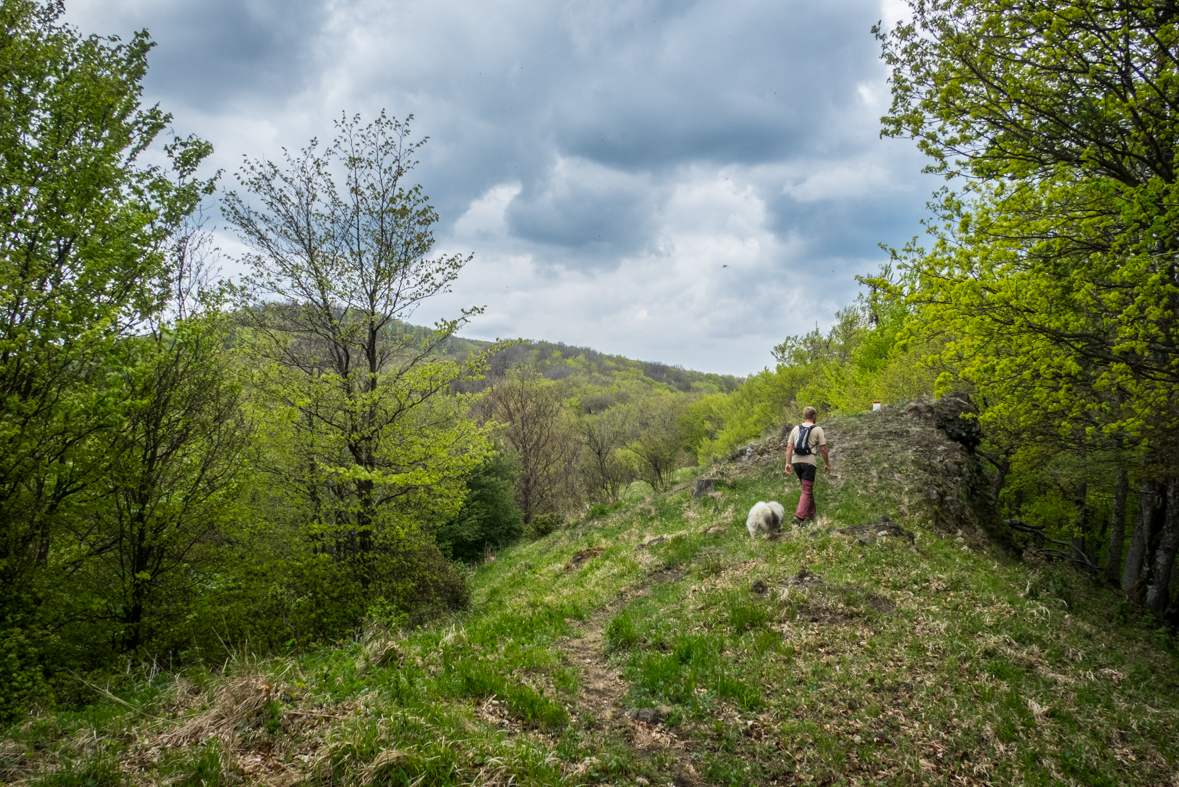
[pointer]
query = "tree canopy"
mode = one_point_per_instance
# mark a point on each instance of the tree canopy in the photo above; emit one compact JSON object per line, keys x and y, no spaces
{"x":1052,"y":281}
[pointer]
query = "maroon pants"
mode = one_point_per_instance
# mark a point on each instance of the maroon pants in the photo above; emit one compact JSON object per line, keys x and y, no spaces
{"x":806,"y":503}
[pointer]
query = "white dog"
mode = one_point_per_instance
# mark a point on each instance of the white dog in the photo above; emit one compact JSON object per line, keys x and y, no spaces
{"x":765,"y":518}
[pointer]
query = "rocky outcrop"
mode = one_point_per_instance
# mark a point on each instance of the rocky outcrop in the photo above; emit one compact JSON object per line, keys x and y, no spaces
{"x":919,"y":459}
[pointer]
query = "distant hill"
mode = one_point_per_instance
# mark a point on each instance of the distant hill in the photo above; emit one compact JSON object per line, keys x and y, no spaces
{"x":559,"y":361}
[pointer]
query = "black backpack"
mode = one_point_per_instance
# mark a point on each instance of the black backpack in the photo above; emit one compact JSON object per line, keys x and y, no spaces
{"x":802,"y":446}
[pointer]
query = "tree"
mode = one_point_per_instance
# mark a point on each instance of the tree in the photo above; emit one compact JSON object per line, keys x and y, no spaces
{"x":83,"y":232}
{"x":1053,"y":274}
{"x":154,"y":519}
{"x":1063,"y":119}
{"x":1117,"y":528}
{"x":533,"y":417}
{"x":168,"y":472}
{"x":656,"y":438}
{"x":489,"y":518}
{"x":1157,"y":573}
{"x":380,"y":446}
{"x":603,"y":438}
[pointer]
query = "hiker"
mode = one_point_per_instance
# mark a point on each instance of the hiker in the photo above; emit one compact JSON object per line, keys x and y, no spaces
{"x":805,"y":439}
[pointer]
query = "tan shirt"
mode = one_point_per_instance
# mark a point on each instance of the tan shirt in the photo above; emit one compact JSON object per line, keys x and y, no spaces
{"x":815,"y":439}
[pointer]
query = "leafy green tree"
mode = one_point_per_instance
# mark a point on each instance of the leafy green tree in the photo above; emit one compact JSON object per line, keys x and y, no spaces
{"x":702,"y":420}
{"x":1059,"y":255}
{"x":489,"y":518}
{"x":379,"y":446}
{"x":83,"y":234}
{"x":655,"y":437}
{"x":1053,"y":272}
{"x":157,"y":513}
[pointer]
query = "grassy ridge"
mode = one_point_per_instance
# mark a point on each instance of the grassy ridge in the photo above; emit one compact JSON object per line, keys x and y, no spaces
{"x":816,"y":659}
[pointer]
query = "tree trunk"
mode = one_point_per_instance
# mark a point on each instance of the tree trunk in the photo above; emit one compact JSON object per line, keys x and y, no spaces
{"x":1002,"y":468}
{"x":1117,"y":527}
{"x":1158,"y":577}
{"x":1081,"y":523}
{"x":1136,"y":556}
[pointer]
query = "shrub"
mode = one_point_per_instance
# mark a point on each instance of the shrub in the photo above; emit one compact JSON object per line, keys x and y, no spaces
{"x":489,"y":518}
{"x":544,"y":524}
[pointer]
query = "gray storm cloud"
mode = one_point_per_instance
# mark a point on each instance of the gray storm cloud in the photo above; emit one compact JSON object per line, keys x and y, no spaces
{"x":685,"y":182}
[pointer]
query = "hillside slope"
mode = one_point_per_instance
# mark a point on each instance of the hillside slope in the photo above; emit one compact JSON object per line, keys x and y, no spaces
{"x":656,"y":643}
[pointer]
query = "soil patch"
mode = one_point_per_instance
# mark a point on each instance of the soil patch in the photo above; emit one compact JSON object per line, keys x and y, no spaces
{"x":601,"y":691}
{"x":599,"y":704}
{"x":582,"y":556}
{"x":870,"y":532}
{"x":665,"y":574}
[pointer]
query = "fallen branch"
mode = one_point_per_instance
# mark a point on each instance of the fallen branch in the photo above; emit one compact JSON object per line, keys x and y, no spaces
{"x":1074,"y":554}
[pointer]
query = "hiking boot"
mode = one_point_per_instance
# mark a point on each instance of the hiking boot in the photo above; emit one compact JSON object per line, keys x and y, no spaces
{"x":798,"y":521}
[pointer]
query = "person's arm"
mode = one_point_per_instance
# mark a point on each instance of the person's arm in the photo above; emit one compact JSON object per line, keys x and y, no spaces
{"x":826,"y":459}
{"x":789,"y":453}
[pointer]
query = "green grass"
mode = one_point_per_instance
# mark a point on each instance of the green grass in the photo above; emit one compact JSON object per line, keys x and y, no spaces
{"x":894,"y":668}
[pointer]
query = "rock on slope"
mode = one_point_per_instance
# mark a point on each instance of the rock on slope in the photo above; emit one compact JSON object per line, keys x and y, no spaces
{"x":920,"y":456}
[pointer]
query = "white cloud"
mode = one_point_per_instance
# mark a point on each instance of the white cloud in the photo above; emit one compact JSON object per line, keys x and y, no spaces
{"x":485,"y":218}
{"x":842,"y":181}
{"x":713,"y":295}
{"x":894,"y":11}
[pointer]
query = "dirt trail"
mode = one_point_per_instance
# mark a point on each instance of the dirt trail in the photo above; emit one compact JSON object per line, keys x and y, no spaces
{"x":599,"y":704}
{"x":602,"y":689}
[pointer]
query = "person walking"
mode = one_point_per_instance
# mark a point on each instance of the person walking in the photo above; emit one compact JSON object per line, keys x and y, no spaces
{"x":805,"y":440}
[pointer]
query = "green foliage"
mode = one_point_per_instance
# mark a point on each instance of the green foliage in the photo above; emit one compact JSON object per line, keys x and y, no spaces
{"x":83,"y":267}
{"x":207,"y":769}
{"x":601,"y":509}
{"x":757,"y":406}
{"x":300,"y":599}
{"x":543,"y":525}
{"x":1051,"y":273}
{"x":621,"y":633}
{"x":655,"y":436}
{"x":24,"y":639}
{"x":864,"y":357}
{"x":939,"y":651}
{"x":365,"y":445}
{"x":746,"y":614}
{"x":701,"y":421}
{"x":166,"y":490}
{"x":1050,"y":282}
{"x":489,"y":518}
{"x":96,"y":771}
{"x":603,"y":376}
{"x":375,"y":443}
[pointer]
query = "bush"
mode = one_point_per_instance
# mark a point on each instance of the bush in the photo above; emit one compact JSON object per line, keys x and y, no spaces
{"x":305,"y":600}
{"x":544,"y":524}
{"x":22,"y":659}
{"x":489,"y":518}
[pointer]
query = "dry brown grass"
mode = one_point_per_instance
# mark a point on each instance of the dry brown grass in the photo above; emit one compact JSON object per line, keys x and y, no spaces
{"x":238,"y":703}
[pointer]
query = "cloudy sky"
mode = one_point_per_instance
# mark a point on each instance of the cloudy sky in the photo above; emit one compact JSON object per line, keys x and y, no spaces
{"x":685,"y":182}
